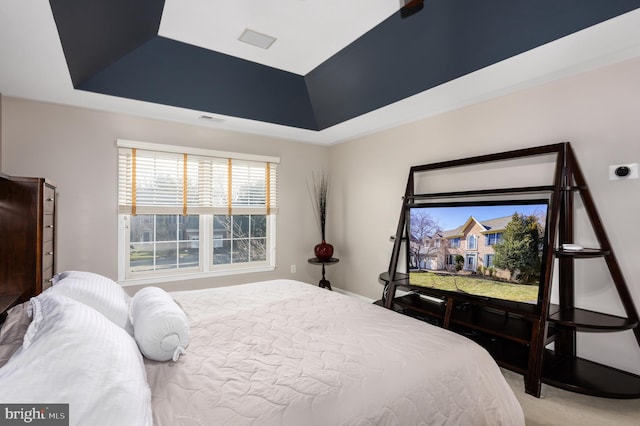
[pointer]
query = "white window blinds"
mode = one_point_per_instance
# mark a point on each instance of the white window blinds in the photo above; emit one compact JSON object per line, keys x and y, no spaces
{"x":159,"y":179}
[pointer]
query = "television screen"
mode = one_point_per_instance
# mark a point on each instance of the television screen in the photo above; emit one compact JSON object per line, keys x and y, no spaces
{"x":491,"y":250}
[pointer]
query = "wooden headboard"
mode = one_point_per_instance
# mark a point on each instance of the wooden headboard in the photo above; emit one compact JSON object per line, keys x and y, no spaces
{"x":20,"y":232}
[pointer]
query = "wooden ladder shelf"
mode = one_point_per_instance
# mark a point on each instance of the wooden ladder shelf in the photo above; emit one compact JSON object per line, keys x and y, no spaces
{"x":518,"y":336}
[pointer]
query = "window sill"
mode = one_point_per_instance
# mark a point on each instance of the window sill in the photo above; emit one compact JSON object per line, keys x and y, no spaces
{"x":191,"y":276}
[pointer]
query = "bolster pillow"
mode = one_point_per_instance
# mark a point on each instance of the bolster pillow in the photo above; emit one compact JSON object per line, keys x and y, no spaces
{"x":160,"y":326}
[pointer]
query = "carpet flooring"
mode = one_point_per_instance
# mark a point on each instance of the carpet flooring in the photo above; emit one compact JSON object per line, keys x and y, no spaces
{"x":560,"y":407}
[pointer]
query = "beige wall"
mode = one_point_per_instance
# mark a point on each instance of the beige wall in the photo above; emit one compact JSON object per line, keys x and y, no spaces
{"x":598,"y":112}
{"x":76,"y":148}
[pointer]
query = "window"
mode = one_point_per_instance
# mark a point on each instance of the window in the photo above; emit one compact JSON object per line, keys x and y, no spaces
{"x":454,"y":242}
{"x":472,"y":242}
{"x":488,"y":260}
{"x":239,"y":239}
{"x":159,"y":242}
{"x":494,"y":238}
{"x":193,"y":211}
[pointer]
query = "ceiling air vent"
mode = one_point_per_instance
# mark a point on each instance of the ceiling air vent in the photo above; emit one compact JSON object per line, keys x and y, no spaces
{"x":211,"y":119}
{"x":256,"y":39}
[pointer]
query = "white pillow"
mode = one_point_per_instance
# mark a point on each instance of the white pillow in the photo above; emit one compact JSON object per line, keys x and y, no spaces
{"x":75,"y":355}
{"x":101,"y":293}
{"x":160,"y":326}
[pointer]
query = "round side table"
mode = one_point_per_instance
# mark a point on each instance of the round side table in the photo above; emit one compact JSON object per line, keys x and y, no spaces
{"x":324,"y":283}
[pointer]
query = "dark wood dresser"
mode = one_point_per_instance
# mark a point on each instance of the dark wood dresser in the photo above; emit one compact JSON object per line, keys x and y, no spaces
{"x":27,"y":227}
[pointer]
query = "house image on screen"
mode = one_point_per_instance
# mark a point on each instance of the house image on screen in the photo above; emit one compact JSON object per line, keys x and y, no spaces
{"x":473,"y":240}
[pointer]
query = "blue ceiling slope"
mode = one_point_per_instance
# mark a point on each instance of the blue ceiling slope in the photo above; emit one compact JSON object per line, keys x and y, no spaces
{"x":172,"y":73}
{"x":396,"y":59}
{"x":96,"y":33}
{"x":446,"y":40}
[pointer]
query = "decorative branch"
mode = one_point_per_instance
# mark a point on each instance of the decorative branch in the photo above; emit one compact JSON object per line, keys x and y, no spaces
{"x":320,"y":193}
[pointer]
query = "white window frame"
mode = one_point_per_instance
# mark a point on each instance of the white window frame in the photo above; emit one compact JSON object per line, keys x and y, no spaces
{"x":488,"y":260}
{"x":206,"y":268}
{"x":472,"y":239}
{"x":495,"y":236}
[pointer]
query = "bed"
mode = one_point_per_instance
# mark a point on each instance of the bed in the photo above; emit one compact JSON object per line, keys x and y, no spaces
{"x":277,"y":352}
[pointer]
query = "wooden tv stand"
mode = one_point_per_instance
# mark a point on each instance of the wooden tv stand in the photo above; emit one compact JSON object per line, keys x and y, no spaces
{"x":517,"y":334}
{"x":505,"y":331}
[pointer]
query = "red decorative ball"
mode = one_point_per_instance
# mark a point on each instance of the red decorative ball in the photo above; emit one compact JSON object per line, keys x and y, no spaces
{"x":323,"y":251}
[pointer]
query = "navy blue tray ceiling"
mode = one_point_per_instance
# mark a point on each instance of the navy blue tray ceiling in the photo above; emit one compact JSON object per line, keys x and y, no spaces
{"x":113,"y":47}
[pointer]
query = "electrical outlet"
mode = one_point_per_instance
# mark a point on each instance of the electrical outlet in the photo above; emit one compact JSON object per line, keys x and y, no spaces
{"x":623,"y":171}
{"x":293,"y":269}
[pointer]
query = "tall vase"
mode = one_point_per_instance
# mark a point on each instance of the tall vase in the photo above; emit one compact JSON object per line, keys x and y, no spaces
{"x":323,"y":251}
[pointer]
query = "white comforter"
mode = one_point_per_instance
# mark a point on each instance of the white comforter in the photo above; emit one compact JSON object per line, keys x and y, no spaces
{"x":288,"y":353}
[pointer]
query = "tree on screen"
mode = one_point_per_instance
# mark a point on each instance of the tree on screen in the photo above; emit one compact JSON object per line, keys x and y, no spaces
{"x":519,"y":250}
{"x":423,"y":230}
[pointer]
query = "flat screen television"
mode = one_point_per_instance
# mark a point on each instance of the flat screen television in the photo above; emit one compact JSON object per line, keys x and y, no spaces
{"x":485,"y":249}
